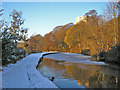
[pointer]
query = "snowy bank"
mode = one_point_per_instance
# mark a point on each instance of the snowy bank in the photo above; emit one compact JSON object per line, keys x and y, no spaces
{"x":23,"y":74}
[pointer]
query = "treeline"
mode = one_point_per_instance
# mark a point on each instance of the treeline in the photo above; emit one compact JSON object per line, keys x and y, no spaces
{"x":53,"y":41}
{"x":96,"y":35}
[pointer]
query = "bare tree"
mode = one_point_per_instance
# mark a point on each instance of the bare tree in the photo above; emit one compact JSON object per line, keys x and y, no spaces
{"x":111,"y":13}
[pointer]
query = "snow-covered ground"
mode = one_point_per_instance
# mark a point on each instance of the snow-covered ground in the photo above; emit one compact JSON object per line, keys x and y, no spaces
{"x":23,"y":74}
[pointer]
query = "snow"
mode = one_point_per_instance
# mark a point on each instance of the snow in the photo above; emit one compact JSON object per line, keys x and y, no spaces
{"x":75,"y":58}
{"x":24,"y":74}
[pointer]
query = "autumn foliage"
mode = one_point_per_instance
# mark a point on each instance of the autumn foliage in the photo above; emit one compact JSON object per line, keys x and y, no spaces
{"x":99,"y":34}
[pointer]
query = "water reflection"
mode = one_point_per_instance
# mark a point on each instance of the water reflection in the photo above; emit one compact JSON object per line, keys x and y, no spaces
{"x":90,"y":76}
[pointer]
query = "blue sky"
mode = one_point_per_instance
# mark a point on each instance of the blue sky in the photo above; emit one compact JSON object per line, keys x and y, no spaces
{"x":42,"y":17}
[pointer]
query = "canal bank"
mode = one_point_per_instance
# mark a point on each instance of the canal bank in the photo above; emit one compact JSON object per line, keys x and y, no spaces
{"x":23,"y":74}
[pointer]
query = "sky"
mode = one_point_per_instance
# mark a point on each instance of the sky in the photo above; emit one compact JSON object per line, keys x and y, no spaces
{"x":42,"y":17}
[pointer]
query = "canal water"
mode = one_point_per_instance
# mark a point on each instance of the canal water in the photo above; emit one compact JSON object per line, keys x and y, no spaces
{"x":78,"y":71}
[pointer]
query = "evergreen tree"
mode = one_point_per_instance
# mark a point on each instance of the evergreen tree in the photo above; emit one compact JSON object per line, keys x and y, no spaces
{"x":11,"y":34}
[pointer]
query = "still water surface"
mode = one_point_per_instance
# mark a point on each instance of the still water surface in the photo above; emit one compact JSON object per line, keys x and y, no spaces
{"x":78,"y":71}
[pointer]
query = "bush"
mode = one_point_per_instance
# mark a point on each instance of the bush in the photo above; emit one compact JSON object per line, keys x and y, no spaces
{"x":112,"y":56}
{"x":85,"y":52}
{"x":95,"y":57}
{"x":102,"y":56}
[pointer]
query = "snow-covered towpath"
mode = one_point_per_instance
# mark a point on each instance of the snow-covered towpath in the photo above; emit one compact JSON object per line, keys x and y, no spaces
{"x":23,"y":74}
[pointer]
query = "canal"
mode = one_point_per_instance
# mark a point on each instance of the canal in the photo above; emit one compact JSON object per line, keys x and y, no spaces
{"x":72,"y":70}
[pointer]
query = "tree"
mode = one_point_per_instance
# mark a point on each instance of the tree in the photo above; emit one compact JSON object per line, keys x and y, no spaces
{"x":1,"y":25}
{"x":11,"y":34}
{"x":91,"y":12}
{"x":16,"y":29}
{"x":111,"y":13}
{"x":35,"y":43}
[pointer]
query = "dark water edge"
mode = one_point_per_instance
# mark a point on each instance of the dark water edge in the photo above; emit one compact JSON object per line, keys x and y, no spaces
{"x":80,"y":75}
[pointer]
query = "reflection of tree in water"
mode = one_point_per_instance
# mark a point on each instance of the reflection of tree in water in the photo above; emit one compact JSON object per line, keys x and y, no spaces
{"x":82,"y":76}
{"x":54,"y":64}
{"x":91,"y":79}
{"x":92,"y":76}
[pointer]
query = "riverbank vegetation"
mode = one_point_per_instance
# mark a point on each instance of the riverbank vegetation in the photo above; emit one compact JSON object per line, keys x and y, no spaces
{"x":97,"y":36}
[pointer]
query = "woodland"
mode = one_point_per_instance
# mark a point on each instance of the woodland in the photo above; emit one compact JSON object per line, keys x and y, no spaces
{"x":97,"y":37}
